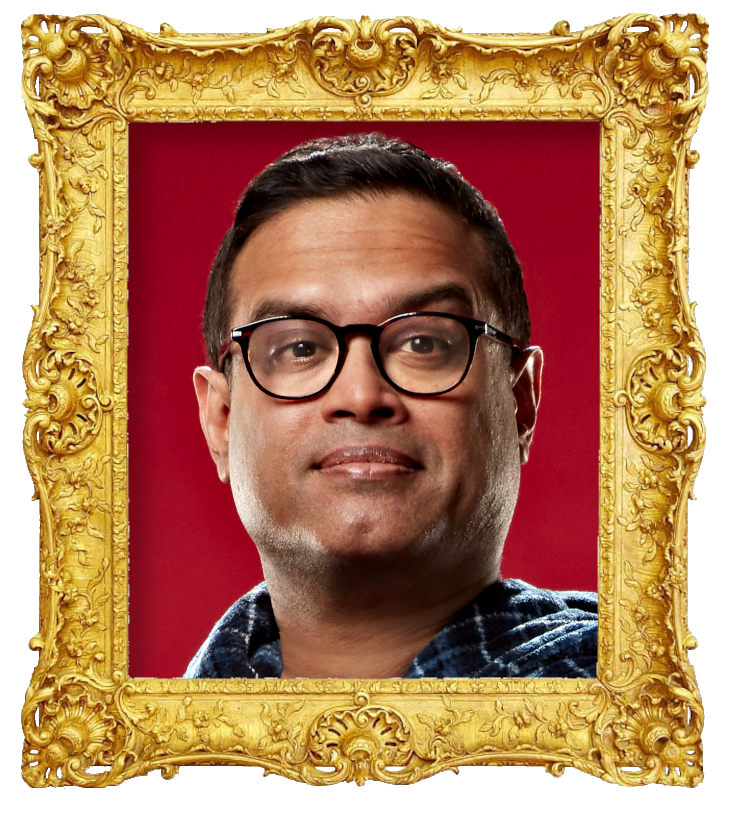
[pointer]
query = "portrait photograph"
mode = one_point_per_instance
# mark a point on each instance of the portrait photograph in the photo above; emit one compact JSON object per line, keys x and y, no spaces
{"x":185,"y":183}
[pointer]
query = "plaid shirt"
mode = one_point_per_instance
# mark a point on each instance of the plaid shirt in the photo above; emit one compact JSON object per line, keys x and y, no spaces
{"x":511,"y":629}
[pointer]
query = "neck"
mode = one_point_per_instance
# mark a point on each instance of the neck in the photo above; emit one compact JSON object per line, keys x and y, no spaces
{"x":365,"y":620}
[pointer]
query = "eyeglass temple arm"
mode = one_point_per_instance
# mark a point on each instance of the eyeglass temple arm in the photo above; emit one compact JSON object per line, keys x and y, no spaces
{"x":505,"y":339}
{"x":234,"y":335}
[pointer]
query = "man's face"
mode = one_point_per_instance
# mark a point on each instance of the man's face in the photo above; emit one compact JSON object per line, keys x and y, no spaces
{"x":363,"y":471}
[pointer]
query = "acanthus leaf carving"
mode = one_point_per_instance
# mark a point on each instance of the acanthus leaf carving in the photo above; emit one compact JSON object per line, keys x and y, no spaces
{"x":653,"y":67}
{"x":364,"y":59}
{"x":72,"y":725}
{"x":65,"y":407}
{"x":445,"y":739}
{"x":361,"y":742}
{"x":68,"y":66}
{"x":655,"y":735}
{"x":664,"y":401}
{"x":538,"y":73}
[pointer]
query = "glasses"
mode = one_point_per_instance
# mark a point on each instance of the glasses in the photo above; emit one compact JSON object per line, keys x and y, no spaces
{"x":421,"y":354}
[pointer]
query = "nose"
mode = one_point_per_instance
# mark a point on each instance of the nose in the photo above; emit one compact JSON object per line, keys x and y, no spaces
{"x":360,"y":392}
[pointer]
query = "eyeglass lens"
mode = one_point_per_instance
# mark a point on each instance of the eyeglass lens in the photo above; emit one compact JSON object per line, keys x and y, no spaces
{"x":296,"y":358}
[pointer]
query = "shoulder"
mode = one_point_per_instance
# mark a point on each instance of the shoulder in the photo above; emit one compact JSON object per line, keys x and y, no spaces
{"x":248,"y":627}
{"x":547,"y":634}
{"x":513,"y":629}
{"x":532,"y":601}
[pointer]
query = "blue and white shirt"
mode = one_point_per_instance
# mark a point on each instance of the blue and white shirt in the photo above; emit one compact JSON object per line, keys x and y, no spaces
{"x":511,"y":629}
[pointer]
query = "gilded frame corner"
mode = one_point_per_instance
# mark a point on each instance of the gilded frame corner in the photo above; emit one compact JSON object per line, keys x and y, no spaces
{"x":84,"y":79}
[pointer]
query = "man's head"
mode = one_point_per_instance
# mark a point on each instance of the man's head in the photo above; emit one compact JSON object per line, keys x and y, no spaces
{"x":356,"y":231}
{"x":364,"y":165}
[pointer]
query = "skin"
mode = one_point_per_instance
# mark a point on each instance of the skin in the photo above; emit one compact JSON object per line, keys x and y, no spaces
{"x":376,"y":514}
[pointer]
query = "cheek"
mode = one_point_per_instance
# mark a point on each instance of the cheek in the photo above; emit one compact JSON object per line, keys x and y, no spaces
{"x":243,"y":458}
{"x":464,"y":435}
{"x":491,"y":439}
{"x":260,"y":448}
{"x":264,"y":441}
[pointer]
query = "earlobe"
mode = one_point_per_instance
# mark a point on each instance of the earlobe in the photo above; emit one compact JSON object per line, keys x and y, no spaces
{"x":214,"y":403}
{"x":526,"y":387}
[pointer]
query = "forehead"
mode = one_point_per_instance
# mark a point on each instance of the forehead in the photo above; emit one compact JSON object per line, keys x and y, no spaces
{"x":358,"y":259}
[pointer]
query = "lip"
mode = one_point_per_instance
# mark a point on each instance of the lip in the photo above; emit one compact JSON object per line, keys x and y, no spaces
{"x":367,"y":462}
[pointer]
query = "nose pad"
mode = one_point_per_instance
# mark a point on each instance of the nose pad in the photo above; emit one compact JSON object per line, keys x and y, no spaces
{"x":361,"y":391}
{"x":360,"y":366}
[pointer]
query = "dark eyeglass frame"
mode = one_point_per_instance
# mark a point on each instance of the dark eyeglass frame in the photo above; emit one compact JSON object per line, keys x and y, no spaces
{"x":475,"y":329}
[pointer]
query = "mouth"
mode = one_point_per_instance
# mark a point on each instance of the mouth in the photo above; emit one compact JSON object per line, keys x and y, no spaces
{"x":367,"y":463}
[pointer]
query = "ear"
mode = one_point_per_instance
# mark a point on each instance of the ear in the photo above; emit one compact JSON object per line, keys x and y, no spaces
{"x":214,"y":402}
{"x":526,"y":385}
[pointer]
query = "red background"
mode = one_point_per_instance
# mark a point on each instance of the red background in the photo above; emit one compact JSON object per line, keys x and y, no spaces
{"x":190,"y":558}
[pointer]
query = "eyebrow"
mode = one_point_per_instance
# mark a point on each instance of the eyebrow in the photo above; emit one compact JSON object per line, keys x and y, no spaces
{"x":279,"y":307}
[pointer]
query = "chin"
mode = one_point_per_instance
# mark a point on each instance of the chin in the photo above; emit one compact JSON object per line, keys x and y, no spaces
{"x":363,"y":538}
{"x":367,"y":544}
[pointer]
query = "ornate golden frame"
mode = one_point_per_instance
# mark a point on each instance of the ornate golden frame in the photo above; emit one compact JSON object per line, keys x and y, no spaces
{"x":86,"y":721}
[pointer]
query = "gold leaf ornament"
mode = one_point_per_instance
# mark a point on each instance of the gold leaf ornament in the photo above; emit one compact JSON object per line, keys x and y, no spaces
{"x":66,"y":735}
{"x":360,"y":742}
{"x":653,"y":67}
{"x":665,"y":401}
{"x":660,"y":733}
{"x":66,"y":407}
{"x":68,"y":65}
{"x":363,"y":59}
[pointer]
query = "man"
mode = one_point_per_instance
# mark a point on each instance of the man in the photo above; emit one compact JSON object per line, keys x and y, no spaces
{"x":371,"y":398}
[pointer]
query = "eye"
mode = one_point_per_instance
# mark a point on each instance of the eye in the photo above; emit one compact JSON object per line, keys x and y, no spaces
{"x":431,"y":342}
{"x":424,"y":344}
{"x":300,"y":349}
{"x":299,"y":353}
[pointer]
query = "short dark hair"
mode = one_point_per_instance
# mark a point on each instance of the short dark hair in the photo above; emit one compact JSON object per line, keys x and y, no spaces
{"x":358,"y":165}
